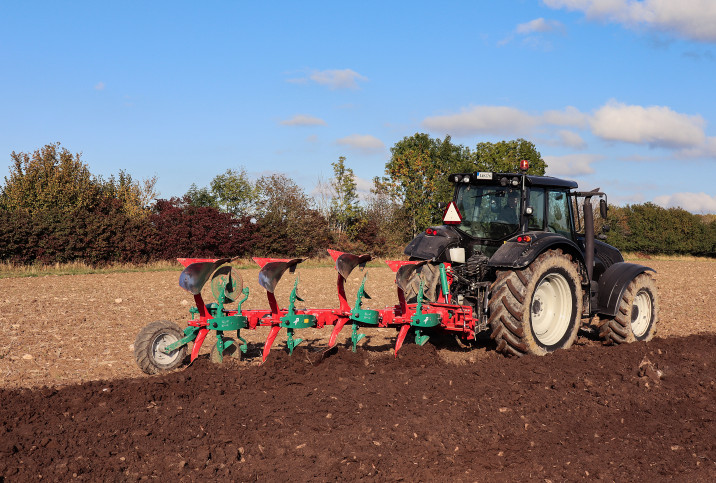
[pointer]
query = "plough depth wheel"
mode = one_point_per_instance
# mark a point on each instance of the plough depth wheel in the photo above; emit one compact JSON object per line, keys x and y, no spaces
{"x":150,"y":343}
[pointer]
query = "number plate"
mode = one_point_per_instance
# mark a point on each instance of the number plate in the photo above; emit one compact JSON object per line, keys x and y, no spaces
{"x":483,"y":175}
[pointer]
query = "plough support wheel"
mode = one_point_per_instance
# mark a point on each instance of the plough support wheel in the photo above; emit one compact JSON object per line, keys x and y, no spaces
{"x":150,"y":344}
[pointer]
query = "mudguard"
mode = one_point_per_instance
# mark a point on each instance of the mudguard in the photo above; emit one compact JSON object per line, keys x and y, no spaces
{"x":432,"y":247}
{"x":613,"y":283}
{"x":516,"y":255}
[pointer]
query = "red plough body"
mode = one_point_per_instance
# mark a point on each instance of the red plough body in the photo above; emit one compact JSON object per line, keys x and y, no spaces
{"x":420,"y":315}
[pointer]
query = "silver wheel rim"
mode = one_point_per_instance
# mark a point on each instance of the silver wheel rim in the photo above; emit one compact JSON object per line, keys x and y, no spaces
{"x":641,"y":313}
{"x":158,"y":346}
{"x":551,"y":309}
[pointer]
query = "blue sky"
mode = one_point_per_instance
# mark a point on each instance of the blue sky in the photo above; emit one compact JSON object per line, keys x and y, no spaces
{"x":616,"y":94}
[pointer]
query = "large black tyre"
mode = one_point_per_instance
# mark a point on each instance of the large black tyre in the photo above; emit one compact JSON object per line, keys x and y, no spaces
{"x":637,"y":316}
{"x":149,"y":344}
{"x":538,"y":309}
{"x":429,"y":274}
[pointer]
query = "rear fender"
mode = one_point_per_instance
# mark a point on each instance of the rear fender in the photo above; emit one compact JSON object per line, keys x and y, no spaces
{"x":517,"y":255}
{"x":612,"y":284}
{"x":433,"y":247}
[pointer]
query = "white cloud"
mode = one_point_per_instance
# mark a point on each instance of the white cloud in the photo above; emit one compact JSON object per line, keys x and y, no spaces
{"x":483,"y":120}
{"x":691,"y":19}
{"x":337,"y":79}
{"x":654,"y":125}
{"x":571,"y":139}
{"x":539,"y":25}
{"x":693,"y":202}
{"x":99,"y":86}
{"x":362,"y":142}
{"x":571,"y":164}
{"x":303,"y":120}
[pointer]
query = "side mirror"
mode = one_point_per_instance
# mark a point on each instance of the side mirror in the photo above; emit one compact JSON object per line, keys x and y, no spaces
{"x":603,"y":208}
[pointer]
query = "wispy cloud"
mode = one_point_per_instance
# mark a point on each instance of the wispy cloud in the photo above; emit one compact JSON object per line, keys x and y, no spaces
{"x":539,"y":25}
{"x":532,"y":32}
{"x":571,"y":165}
{"x":303,"y":120}
{"x":690,"y":19}
{"x":569,"y":116}
{"x":99,"y":86}
{"x":571,"y":139}
{"x":332,"y":78}
{"x":500,"y":120}
{"x":362,"y":142}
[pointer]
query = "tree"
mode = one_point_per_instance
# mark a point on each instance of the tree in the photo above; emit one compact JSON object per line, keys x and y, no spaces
{"x":231,"y":192}
{"x":50,"y":178}
{"x":383,"y":210}
{"x":53,"y":179}
{"x":234,"y":192}
{"x":288,"y":223}
{"x":201,"y":197}
{"x":133,"y":196}
{"x":345,"y":213}
{"x":417,"y":174}
{"x":505,"y":157}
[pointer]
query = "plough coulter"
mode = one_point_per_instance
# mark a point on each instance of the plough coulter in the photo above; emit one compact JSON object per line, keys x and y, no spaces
{"x":163,"y":345}
{"x":517,"y":256}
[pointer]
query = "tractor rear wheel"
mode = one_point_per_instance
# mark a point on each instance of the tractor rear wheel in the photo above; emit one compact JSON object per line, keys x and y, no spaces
{"x":429,"y":274}
{"x":150,"y":343}
{"x":537,"y":310}
{"x":637,"y":315}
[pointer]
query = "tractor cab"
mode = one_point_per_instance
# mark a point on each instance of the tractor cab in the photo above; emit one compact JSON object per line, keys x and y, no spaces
{"x":489,"y":209}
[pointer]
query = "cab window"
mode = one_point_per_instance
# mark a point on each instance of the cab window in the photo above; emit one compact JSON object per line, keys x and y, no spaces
{"x":536,"y":202}
{"x":558,"y":214}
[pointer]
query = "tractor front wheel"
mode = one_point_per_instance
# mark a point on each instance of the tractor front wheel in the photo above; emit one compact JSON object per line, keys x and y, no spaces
{"x":537,"y":310}
{"x":637,"y":315}
{"x":150,"y":343}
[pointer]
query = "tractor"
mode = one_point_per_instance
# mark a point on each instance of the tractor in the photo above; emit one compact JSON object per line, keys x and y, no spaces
{"x":524,"y":256}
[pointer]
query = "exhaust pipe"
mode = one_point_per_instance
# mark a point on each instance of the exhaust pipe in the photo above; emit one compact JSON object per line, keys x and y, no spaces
{"x":589,"y":236}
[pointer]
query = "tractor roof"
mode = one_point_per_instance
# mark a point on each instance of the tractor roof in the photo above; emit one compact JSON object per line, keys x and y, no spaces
{"x":495,"y":178}
{"x":549,"y":181}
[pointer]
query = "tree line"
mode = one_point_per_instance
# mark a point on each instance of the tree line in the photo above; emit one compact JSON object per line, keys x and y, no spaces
{"x":53,"y":209}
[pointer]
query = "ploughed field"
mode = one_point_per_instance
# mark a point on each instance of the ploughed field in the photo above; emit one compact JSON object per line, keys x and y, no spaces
{"x":75,"y":405}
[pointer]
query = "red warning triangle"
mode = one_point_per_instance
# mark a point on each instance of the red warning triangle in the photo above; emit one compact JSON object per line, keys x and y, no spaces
{"x":452,"y":215}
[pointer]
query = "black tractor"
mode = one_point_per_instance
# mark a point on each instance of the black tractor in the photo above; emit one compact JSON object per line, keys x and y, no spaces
{"x":522,"y":252}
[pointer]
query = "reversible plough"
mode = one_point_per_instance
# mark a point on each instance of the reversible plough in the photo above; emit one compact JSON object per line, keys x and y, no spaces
{"x":162,"y":345}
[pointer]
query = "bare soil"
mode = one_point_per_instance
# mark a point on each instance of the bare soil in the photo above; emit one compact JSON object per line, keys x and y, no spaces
{"x":74,"y":403}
